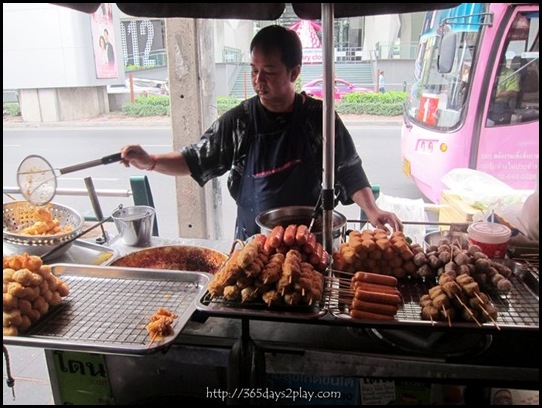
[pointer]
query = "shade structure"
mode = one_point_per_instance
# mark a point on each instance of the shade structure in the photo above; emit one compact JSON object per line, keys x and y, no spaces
{"x":326,"y":12}
{"x":258,"y":11}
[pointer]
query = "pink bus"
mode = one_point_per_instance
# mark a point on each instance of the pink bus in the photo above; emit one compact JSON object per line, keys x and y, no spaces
{"x":474,"y":103}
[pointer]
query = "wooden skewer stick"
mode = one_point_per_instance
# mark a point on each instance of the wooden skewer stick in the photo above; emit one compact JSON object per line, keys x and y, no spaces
{"x":343,"y":272}
{"x":488,"y":315}
{"x":447,"y":316}
{"x":153,"y":337}
{"x":479,"y":298}
{"x":335,"y":279}
{"x":468,"y":311}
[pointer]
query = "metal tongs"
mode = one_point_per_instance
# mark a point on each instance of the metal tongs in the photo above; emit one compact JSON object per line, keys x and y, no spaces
{"x":316,"y":212}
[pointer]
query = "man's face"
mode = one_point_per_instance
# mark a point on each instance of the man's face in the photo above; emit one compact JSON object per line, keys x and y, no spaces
{"x":271,"y":80}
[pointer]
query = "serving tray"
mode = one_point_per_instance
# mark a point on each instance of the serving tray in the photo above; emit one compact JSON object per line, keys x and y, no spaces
{"x":108,"y":308}
{"x":81,"y":252}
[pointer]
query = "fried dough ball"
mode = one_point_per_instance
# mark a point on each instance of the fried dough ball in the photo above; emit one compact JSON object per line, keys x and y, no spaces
{"x":16,"y":289}
{"x":12,"y":318}
{"x":9,"y":301}
{"x":31,"y":262}
{"x":10,"y":331}
{"x":56,"y":299}
{"x":13,"y":262}
{"x":8,"y":275}
{"x":27,"y":278}
{"x":26,"y":323}
{"x":25,"y":306}
{"x":29,"y":290}
{"x":34,"y":315}
{"x":45,"y":271}
{"x":62,"y":288}
{"x":47,"y":295}
{"x":41,"y":305}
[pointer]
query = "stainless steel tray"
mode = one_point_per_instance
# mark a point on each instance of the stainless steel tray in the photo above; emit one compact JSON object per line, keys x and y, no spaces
{"x":108,"y":308}
{"x":518,"y":309}
{"x":81,"y":252}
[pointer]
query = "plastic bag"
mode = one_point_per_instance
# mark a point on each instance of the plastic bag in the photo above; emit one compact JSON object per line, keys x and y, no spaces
{"x":407,"y":210}
{"x":482,"y":190}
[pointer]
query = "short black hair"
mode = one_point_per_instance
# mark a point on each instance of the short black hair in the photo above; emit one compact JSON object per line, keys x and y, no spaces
{"x":278,"y":38}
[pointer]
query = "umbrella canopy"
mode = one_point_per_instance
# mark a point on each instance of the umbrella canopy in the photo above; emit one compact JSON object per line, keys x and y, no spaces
{"x":326,"y":12}
{"x":258,"y":11}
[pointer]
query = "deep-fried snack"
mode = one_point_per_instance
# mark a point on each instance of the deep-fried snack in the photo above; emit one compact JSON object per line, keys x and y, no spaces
{"x":27,"y":278}
{"x":29,"y":289}
{"x":232,"y":292}
{"x":161,"y":323}
{"x":248,"y":294}
{"x":271,"y":298}
{"x":45,"y":224}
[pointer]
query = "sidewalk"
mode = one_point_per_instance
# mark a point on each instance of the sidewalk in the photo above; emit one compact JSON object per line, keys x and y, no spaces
{"x":119,"y":119}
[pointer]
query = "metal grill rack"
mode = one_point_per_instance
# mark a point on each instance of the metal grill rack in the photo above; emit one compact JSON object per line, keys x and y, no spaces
{"x":218,"y":306}
{"x":518,"y":308}
{"x":109,"y":313}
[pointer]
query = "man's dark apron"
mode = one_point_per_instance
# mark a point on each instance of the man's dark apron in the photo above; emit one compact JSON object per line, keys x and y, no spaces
{"x":280,"y":170}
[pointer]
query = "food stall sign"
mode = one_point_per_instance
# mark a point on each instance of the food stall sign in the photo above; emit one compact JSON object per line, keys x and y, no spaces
{"x":81,"y":378}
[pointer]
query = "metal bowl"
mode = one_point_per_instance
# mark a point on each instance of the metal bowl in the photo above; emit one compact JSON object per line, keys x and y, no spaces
{"x":18,"y":215}
{"x":453,"y":237}
{"x":285,"y":216}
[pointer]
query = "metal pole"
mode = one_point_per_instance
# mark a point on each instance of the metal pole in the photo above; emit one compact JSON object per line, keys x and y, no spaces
{"x":328,"y":126}
{"x":97,"y":208}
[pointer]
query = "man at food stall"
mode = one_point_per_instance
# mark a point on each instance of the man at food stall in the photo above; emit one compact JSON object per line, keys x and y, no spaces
{"x":271,"y":144}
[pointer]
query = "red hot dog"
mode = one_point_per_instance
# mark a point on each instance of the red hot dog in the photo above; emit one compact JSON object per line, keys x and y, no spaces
{"x":375,"y":278}
{"x":289,"y":234}
{"x":310,"y":246}
{"x":260,"y":239}
{"x":275,"y":237}
{"x":377,"y":297}
{"x":361,"y":315}
{"x":372,"y":287}
{"x":324,"y":261}
{"x":302,"y":235}
{"x":316,"y":257}
{"x":380,"y":308}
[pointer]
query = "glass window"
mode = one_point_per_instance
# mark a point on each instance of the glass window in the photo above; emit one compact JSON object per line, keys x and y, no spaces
{"x":515,"y":94}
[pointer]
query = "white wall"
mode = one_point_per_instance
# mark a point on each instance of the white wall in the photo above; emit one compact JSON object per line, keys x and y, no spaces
{"x":46,"y":46}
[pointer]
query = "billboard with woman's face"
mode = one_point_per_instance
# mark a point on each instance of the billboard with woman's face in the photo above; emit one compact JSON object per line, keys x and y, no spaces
{"x":103,"y":38}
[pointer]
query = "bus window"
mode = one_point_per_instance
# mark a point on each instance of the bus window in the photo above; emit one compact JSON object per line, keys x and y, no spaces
{"x":437,"y":99}
{"x":515,"y":94}
{"x":465,"y":108}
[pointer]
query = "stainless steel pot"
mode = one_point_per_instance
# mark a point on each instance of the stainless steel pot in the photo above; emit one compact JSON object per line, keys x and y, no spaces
{"x":285,"y":216}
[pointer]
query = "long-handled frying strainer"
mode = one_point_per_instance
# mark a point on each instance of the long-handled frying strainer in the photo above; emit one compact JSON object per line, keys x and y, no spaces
{"x":37,"y":178}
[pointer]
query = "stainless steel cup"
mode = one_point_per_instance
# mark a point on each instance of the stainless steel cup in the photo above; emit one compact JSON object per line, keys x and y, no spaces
{"x":135,"y":224}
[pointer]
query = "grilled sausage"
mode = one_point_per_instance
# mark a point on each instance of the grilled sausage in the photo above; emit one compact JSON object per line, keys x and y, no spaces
{"x":302,"y":235}
{"x":310,"y":246}
{"x":377,"y":297}
{"x":289,"y":234}
{"x":316,"y":257}
{"x":360,"y":314}
{"x":372,"y":307}
{"x":324,"y":261}
{"x":373,"y":287}
{"x":375,"y":278}
{"x":275,"y":237}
